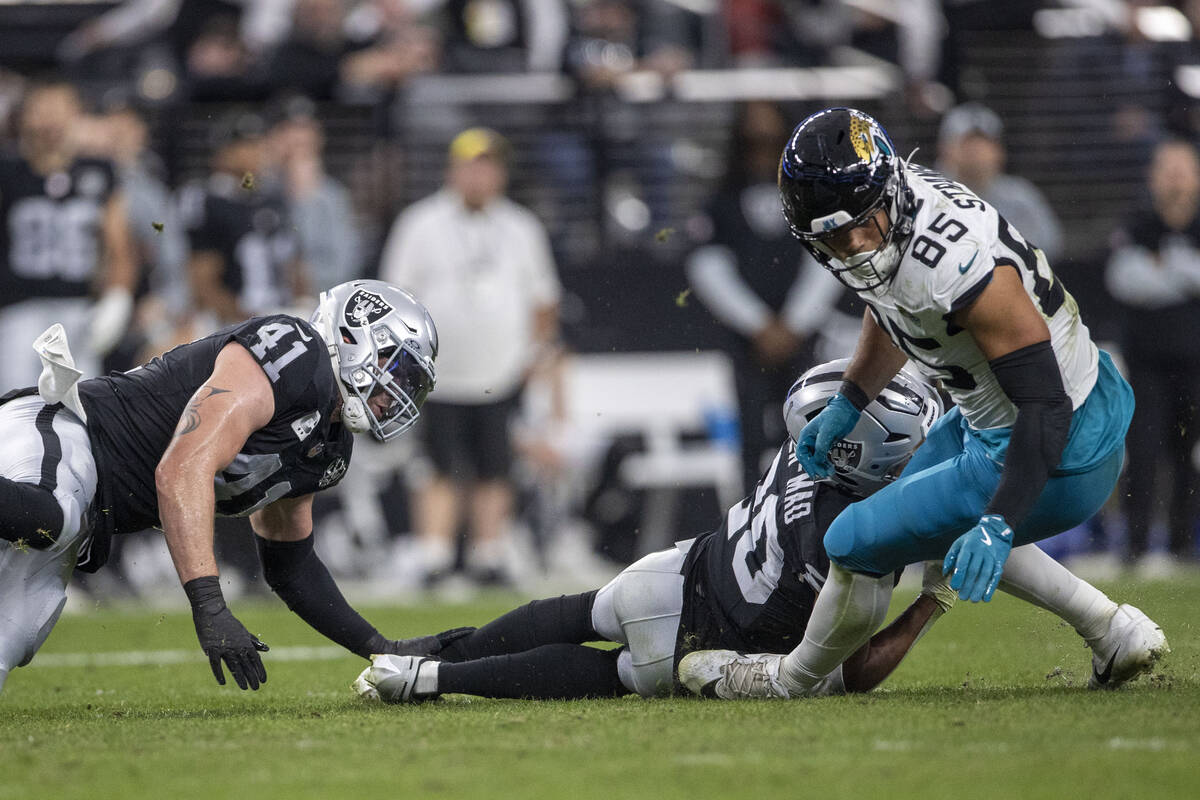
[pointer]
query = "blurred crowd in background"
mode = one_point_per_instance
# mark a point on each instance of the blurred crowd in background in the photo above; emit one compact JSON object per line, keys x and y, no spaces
{"x":568,"y":182}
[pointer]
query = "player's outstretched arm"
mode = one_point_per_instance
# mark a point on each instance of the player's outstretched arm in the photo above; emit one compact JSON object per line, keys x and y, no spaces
{"x":234,"y":402}
{"x":876,"y":360}
{"x":296,"y":573}
{"x":730,"y":675}
{"x":872,"y":663}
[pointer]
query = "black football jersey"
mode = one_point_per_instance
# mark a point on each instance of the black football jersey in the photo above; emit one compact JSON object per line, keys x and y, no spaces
{"x":750,"y":585}
{"x":51,"y":240}
{"x":248,"y":226}
{"x":132,"y":417}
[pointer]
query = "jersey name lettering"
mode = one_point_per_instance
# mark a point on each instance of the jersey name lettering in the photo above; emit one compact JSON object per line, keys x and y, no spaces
{"x":797,"y":498}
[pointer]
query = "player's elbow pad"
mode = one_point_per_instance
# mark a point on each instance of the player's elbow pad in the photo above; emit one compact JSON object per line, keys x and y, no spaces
{"x":282,"y":562}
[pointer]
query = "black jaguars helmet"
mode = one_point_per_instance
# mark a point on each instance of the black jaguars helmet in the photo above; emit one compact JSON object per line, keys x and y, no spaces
{"x":838,"y":168}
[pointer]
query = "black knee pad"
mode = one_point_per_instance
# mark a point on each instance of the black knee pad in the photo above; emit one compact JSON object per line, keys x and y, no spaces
{"x":29,"y":514}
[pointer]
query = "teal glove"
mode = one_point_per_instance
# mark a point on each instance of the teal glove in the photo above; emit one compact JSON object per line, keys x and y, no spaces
{"x":977,"y":558}
{"x":834,"y":422}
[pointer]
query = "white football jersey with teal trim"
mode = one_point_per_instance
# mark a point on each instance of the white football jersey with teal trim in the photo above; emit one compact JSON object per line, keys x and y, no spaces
{"x":957,"y":241}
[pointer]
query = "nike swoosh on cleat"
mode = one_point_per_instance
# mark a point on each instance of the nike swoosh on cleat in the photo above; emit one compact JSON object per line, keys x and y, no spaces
{"x":709,"y":689}
{"x":1103,"y":677}
{"x":962,"y":268}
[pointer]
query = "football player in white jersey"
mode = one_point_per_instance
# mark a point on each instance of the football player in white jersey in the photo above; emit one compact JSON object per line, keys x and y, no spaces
{"x":1034,"y":445}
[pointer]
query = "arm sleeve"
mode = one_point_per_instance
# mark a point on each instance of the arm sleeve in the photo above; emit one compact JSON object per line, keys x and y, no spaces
{"x":295,"y":573}
{"x":1031,"y":379}
{"x":713,"y":276}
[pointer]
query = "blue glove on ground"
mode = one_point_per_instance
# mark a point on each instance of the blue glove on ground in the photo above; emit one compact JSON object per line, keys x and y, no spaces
{"x":834,"y":422}
{"x":977,"y":558}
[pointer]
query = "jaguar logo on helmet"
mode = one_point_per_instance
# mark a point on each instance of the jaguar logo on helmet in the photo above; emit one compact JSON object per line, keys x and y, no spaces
{"x":866,"y":138}
{"x":860,"y":137}
{"x":365,"y":308}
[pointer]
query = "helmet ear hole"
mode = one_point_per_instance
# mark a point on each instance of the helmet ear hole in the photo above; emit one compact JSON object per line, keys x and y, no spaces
{"x":347,"y":336}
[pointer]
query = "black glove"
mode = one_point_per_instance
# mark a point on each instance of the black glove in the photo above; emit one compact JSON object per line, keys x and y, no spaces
{"x":223,"y":637}
{"x":416,"y":646}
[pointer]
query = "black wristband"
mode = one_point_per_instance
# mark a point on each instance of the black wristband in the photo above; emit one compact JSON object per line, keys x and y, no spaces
{"x":854,"y":393}
{"x":204,"y":591}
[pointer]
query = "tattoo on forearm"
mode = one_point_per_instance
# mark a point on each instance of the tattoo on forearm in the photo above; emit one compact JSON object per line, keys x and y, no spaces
{"x":190,"y":419}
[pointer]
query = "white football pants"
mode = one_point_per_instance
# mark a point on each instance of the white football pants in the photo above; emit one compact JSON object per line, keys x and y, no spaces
{"x":641,"y":608}
{"x":50,"y":448}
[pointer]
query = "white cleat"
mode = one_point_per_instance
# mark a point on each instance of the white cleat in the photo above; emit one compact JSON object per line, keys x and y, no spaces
{"x":1133,"y":644}
{"x":393,"y":679}
{"x":730,"y":675}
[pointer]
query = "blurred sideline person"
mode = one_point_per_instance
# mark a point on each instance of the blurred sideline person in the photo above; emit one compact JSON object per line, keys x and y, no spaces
{"x":251,"y":420}
{"x":159,"y":241}
{"x":971,"y":151}
{"x":65,"y":249}
{"x":1033,"y":446}
{"x":748,"y":586}
{"x":245,"y":257}
{"x":483,"y":266}
{"x":770,"y":300}
{"x":1154,"y":273}
{"x":318,"y":205}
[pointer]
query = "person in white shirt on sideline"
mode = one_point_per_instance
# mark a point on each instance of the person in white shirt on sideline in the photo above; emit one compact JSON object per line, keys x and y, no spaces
{"x":483,"y":264}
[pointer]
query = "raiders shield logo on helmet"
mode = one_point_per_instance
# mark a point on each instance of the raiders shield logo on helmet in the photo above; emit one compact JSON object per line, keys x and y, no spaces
{"x":845,"y":455}
{"x":364,"y":308}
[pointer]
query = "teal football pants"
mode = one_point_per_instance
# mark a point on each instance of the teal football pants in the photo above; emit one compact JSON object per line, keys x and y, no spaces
{"x":942,"y":493}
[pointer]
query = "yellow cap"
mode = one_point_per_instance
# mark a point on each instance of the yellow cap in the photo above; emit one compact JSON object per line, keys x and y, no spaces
{"x":475,"y":142}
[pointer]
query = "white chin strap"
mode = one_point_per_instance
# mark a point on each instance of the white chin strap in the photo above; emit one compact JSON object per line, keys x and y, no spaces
{"x":354,"y":412}
{"x":355,"y":415}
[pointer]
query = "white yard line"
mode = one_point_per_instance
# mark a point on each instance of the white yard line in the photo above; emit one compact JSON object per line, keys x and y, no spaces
{"x":138,"y":658}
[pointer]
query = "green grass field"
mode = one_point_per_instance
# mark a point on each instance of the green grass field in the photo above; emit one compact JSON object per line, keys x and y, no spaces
{"x":991,"y":704}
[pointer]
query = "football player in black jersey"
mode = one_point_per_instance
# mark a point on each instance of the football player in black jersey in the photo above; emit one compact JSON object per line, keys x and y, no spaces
{"x":65,"y":249}
{"x":251,"y":420}
{"x":245,"y":257}
{"x":749,"y":585}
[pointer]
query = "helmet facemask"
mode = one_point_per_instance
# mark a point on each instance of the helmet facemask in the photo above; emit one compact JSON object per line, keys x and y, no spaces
{"x":873,"y":268}
{"x":397,"y":374}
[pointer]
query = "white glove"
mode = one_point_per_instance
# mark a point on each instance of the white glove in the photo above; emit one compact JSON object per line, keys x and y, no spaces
{"x":110,"y":319}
